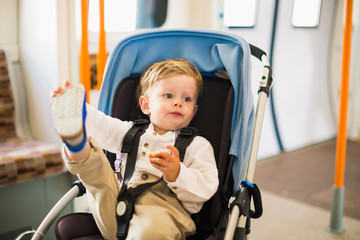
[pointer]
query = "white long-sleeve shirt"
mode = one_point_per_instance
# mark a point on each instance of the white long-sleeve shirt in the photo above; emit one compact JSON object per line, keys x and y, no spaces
{"x":198,"y":178}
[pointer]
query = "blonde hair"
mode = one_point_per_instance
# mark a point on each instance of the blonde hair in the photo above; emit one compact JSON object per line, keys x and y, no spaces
{"x":168,"y":68}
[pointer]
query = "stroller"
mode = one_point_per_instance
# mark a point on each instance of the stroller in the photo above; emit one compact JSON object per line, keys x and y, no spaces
{"x":226,"y":117}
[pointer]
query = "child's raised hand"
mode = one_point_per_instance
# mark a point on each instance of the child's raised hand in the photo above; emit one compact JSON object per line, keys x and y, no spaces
{"x":167,"y":163}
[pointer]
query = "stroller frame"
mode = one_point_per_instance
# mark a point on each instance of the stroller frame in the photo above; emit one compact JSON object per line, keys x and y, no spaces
{"x":239,"y":220}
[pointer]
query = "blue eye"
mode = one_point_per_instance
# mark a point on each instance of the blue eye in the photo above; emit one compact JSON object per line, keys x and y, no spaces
{"x":187,"y":99}
{"x":168,"y":95}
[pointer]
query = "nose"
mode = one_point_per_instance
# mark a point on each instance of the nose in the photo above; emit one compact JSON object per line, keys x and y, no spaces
{"x":177,"y":102}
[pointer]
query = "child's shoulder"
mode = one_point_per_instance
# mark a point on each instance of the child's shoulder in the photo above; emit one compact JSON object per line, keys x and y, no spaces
{"x":200,"y":141}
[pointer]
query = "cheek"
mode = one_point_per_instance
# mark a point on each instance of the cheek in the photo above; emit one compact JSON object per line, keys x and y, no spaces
{"x":156,"y":107}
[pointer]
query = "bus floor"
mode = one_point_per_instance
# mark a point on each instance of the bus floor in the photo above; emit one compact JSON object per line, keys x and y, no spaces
{"x":297,"y":190}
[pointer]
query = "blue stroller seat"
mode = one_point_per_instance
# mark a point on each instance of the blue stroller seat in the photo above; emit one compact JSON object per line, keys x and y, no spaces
{"x":226,"y":114}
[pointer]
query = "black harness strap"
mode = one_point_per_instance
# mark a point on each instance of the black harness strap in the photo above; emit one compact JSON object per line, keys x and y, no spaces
{"x":184,"y":139}
{"x":125,"y":206}
{"x":126,"y":197}
{"x":130,"y":146}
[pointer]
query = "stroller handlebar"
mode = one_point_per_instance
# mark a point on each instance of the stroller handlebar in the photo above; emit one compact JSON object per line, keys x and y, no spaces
{"x":266,"y":80}
{"x":256,"y":52}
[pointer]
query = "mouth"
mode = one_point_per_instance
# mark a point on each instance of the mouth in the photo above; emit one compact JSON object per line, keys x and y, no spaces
{"x":176,"y":114}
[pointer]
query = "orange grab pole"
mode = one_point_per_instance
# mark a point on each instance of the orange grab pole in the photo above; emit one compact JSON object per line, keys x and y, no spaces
{"x":344,"y":93}
{"x":84,"y":50}
{"x":101,"y":56}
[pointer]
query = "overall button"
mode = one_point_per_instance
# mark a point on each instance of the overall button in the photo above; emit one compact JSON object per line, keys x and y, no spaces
{"x":154,"y":133}
{"x":146,"y":145}
{"x":144,"y":176}
{"x":143,"y":154}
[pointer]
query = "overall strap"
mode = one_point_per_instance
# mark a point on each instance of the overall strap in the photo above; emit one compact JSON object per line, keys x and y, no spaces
{"x":130,"y":146}
{"x":184,"y":139}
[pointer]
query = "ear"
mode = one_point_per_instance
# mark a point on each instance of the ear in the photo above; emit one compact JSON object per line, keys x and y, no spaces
{"x":195,"y":110}
{"x":144,"y":105}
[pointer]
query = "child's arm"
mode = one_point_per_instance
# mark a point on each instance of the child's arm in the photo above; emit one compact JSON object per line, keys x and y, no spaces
{"x":198,"y":180}
{"x":108,"y":131}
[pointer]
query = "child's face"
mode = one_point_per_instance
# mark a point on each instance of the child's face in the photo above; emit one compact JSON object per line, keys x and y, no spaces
{"x":171,"y":103}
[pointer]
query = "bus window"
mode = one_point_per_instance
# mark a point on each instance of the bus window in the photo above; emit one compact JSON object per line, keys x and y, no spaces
{"x":151,"y":13}
{"x":120,"y":15}
{"x":240,"y":13}
{"x":306,"y":13}
{"x":126,"y":16}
